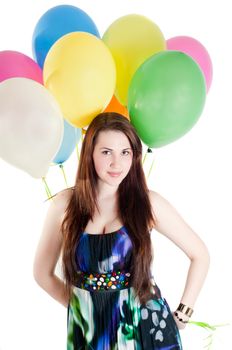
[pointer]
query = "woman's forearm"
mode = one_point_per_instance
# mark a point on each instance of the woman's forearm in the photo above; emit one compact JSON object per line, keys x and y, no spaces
{"x":197,"y":272}
{"x":55,"y":287}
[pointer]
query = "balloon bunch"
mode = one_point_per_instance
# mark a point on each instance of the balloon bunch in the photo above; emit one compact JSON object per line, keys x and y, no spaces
{"x":47,"y":102}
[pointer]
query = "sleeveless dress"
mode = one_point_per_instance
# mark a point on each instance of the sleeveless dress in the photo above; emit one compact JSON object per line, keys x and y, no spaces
{"x":114,"y":319}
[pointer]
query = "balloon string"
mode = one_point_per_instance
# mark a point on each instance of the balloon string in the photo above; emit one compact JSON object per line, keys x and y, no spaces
{"x":144,"y":158}
{"x":152,"y":164}
{"x":47,"y":188}
{"x":63,"y":172}
{"x":47,"y":192}
{"x":78,"y":154}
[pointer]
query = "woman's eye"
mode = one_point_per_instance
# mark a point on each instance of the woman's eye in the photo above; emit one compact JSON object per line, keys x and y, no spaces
{"x":124,"y":152}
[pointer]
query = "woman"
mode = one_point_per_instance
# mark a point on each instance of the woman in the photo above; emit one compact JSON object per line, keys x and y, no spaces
{"x":102,"y":227}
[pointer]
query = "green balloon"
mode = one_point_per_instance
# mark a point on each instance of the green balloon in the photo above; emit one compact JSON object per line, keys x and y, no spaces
{"x":166,"y":97}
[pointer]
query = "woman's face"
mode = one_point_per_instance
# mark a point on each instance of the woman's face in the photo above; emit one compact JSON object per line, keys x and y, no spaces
{"x":112,"y":156}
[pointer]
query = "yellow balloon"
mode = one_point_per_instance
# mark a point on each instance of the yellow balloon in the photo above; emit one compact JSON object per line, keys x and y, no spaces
{"x":80,"y":72}
{"x":131,"y":39}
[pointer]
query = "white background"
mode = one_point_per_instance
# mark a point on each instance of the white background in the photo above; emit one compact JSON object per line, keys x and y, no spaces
{"x":193,"y":173}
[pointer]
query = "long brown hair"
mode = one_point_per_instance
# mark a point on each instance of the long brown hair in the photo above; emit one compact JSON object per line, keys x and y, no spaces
{"x":134,"y":208}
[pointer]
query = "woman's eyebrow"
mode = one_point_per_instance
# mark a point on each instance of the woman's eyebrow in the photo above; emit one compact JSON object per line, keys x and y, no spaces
{"x":112,"y":149}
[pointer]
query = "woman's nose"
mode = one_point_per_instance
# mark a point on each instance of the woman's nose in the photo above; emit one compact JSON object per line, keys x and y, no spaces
{"x":115,"y":161}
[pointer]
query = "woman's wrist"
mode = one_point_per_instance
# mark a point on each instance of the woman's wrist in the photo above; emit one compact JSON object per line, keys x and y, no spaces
{"x":183,"y":318}
{"x":183,"y":313}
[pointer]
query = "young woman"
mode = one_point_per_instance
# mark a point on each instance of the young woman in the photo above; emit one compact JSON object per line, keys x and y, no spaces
{"x":101,"y":227}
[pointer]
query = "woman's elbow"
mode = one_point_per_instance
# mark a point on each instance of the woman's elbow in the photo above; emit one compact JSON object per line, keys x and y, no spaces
{"x":39,"y":274}
{"x":202,"y":254}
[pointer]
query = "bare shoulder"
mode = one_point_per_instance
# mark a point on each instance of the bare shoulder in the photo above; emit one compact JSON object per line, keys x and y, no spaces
{"x":156,"y":199}
{"x":56,"y":212}
{"x":161,"y":206}
{"x":64,"y":195}
{"x":61,"y":199}
{"x":152,"y":195}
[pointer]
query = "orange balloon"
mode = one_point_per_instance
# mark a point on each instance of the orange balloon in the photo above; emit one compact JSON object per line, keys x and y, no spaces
{"x":113,"y":106}
{"x":116,"y":106}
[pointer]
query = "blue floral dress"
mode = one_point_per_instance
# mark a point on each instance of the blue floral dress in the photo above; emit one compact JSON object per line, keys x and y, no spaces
{"x":103,"y":312}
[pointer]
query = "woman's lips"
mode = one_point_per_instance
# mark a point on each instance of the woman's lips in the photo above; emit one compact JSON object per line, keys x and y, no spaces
{"x":114,"y":174}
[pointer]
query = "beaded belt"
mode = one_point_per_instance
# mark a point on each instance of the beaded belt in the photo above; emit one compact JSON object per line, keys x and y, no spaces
{"x":115,"y":280}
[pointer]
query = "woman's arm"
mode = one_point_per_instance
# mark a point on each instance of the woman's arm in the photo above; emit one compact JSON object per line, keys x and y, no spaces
{"x":172,"y":225}
{"x":49,"y":248}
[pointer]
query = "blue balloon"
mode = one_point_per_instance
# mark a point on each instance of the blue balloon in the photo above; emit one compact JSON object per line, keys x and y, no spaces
{"x":71,"y":137}
{"x":55,"y":23}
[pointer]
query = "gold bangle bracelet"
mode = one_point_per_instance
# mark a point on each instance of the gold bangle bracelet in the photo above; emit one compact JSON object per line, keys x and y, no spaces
{"x":185,"y":309}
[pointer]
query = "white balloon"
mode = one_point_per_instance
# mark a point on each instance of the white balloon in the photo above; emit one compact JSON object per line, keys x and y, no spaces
{"x":31,"y":125}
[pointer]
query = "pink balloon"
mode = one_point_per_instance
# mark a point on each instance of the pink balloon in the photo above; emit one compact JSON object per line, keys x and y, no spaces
{"x":197,"y":51}
{"x":15,"y":64}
